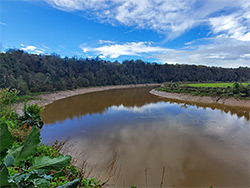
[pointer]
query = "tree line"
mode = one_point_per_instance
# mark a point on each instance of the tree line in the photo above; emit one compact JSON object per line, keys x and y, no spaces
{"x":38,"y":73}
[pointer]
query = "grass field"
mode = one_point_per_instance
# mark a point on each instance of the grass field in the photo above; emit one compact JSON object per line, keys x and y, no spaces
{"x":212,"y":84}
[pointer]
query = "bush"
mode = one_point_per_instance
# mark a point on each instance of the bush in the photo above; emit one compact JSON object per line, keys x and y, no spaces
{"x":7,"y":113}
{"x":34,"y":171}
{"x":32,"y":116}
{"x":8,"y":97}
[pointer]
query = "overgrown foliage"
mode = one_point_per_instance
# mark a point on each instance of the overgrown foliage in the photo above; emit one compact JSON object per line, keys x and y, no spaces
{"x":32,"y":116}
{"x":39,"y":73}
{"x":7,"y":98}
{"x":24,"y":161}
{"x":34,"y":171}
{"x":234,"y":90}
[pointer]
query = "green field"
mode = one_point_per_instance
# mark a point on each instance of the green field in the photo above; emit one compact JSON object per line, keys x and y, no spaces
{"x":212,"y":84}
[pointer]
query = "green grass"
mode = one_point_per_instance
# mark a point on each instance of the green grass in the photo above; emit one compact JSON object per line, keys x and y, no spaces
{"x":210,"y":89}
{"x":212,"y":84}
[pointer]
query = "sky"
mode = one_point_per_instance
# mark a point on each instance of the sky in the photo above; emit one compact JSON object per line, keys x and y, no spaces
{"x":200,"y":32}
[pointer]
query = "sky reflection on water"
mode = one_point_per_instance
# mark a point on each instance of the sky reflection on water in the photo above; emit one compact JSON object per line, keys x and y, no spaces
{"x":197,"y":146}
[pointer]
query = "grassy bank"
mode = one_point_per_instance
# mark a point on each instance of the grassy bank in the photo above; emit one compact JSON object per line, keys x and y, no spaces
{"x":220,"y":84}
{"x":236,"y":90}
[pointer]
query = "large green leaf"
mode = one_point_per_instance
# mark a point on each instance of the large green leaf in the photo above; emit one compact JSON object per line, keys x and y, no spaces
{"x":5,"y":140}
{"x":14,"y":151}
{"x":45,"y":162}
{"x":29,"y":147}
{"x":33,"y":177}
{"x":3,"y":175}
{"x":9,"y":161}
{"x":71,"y":184}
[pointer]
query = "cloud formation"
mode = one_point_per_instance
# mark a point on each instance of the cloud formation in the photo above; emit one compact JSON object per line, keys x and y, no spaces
{"x":235,"y":26}
{"x":227,"y":20}
{"x":172,"y":17}
{"x":113,"y":50}
{"x":32,"y":49}
{"x":220,"y":51}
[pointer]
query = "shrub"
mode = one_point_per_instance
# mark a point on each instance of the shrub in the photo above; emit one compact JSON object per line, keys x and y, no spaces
{"x":32,"y":116}
{"x":8,"y":97}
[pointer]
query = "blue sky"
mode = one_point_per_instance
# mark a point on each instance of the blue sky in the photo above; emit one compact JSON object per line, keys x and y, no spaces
{"x":200,"y":32}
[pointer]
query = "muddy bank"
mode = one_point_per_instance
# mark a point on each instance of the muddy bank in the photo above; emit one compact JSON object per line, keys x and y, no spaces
{"x":202,"y":99}
{"x":46,"y":99}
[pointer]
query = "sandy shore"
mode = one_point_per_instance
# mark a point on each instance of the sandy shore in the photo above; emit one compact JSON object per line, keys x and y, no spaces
{"x":46,"y":99}
{"x":202,"y":99}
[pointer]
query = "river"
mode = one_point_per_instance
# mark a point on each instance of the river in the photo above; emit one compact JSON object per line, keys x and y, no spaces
{"x":132,"y":137}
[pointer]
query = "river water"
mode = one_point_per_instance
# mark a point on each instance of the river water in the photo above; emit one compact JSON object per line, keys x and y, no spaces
{"x":130,"y":137}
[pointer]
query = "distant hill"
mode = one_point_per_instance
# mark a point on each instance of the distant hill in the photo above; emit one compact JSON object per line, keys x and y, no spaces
{"x":37,"y":73}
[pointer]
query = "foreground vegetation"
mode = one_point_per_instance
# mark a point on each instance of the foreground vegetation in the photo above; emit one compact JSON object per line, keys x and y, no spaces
{"x":237,"y":90}
{"x":30,"y":73}
{"x":24,"y":161}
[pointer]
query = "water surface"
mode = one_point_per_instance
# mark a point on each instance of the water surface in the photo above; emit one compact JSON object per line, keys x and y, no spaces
{"x":153,"y":140}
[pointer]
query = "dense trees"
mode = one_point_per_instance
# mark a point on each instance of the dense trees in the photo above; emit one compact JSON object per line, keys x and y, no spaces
{"x":36,"y":73}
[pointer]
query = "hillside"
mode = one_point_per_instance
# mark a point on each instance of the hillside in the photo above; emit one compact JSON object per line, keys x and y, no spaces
{"x":36,"y":73}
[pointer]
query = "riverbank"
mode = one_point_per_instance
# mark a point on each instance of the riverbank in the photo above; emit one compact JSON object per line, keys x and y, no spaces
{"x":202,"y":99}
{"x":45,"y":99}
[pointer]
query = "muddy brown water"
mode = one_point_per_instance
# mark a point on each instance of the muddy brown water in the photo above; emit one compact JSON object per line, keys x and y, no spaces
{"x":153,"y":141}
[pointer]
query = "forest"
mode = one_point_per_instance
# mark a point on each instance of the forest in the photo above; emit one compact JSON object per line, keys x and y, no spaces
{"x":31,"y":73}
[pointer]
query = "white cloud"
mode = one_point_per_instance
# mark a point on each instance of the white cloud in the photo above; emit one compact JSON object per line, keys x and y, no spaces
{"x":220,"y":51}
{"x":129,"y":48}
{"x":106,"y":42}
{"x":228,"y":22}
{"x":2,"y":23}
{"x":172,"y":17}
{"x":44,"y":46}
{"x":68,"y":5}
{"x":235,"y":26}
{"x":38,"y":51}
{"x":32,"y":49}
{"x":29,"y":48}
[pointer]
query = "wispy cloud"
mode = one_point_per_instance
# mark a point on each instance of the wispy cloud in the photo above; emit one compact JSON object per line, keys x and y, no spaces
{"x":32,"y":49}
{"x":228,"y":23}
{"x":44,"y":46}
{"x":218,"y":51}
{"x":234,"y":26}
{"x":106,"y":42}
{"x":221,"y":51}
{"x":63,"y":46}
{"x":2,"y":23}
{"x":113,"y":50}
{"x":172,"y":17}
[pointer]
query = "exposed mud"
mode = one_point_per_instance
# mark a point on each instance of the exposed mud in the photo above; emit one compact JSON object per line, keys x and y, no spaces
{"x":202,"y":99}
{"x":46,"y":99}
